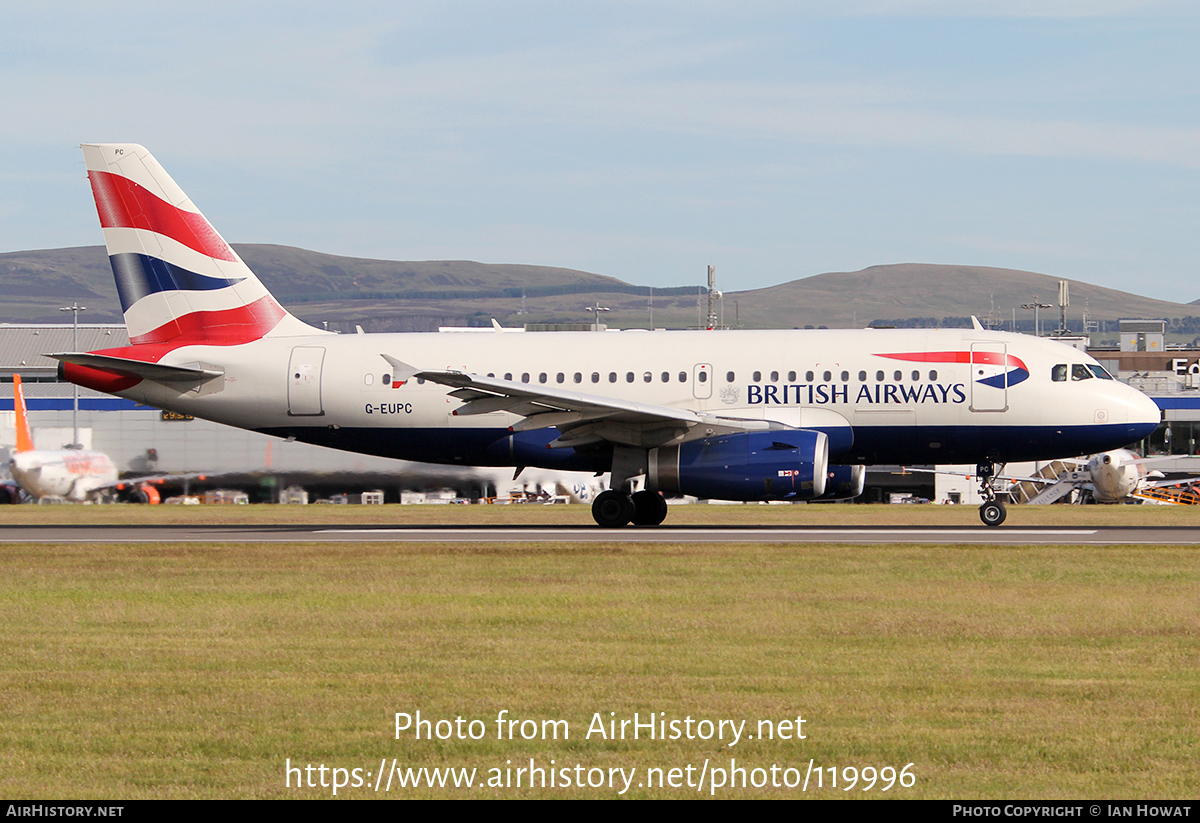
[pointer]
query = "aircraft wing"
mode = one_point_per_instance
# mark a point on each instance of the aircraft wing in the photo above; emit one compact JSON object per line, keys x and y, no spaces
{"x":1165,"y":484}
{"x":157,"y":479}
{"x":582,"y":418}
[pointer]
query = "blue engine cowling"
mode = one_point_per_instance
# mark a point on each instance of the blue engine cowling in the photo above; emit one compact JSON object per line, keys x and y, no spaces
{"x":844,"y":482}
{"x":767,"y":465}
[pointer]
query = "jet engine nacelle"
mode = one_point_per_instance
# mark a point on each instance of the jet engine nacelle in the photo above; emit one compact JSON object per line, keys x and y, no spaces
{"x":844,"y":482}
{"x":767,"y":465}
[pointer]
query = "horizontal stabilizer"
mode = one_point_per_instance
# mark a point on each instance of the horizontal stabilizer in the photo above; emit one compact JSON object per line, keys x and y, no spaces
{"x":157,"y":372}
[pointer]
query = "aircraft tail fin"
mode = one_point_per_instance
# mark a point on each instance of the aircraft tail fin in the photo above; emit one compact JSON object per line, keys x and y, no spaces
{"x":24,"y":438}
{"x":179,"y":282}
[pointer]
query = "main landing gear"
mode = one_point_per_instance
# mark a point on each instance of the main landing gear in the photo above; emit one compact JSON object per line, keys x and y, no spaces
{"x":612,"y":509}
{"x":992,"y":512}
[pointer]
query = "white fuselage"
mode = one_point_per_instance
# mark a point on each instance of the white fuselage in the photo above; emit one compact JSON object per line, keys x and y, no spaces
{"x":1115,"y":475}
{"x":897,"y":396}
{"x":72,"y":474}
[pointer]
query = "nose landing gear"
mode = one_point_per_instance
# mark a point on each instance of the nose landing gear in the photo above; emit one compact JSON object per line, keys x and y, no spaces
{"x":993,"y":511}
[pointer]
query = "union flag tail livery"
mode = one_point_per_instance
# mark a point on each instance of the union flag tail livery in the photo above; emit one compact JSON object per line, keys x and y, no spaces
{"x":179,"y":282}
{"x":793,"y":415}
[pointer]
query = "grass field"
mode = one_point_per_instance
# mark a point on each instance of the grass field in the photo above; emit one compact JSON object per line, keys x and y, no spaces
{"x":168,"y":671}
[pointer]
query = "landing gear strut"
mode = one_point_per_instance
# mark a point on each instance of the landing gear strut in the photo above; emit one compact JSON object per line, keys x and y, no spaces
{"x":992,"y":512}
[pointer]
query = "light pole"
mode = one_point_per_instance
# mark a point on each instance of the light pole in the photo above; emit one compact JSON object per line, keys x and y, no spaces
{"x":596,"y":309}
{"x":74,"y":309}
{"x":1035,"y":305}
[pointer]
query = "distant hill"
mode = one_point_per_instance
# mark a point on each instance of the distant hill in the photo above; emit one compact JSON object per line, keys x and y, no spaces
{"x":384,"y":295}
{"x":917,"y":290}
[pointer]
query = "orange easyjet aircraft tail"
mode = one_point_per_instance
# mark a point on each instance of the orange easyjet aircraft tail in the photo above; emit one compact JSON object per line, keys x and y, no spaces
{"x":24,"y":440}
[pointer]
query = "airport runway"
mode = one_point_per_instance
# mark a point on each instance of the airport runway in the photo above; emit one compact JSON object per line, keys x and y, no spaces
{"x":1016,"y":535}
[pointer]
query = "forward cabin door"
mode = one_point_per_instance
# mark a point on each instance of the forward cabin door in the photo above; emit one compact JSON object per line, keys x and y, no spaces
{"x":304,"y":381}
{"x":989,"y":377}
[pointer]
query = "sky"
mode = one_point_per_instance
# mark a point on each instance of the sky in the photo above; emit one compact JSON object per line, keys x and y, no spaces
{"x":641,"y":140}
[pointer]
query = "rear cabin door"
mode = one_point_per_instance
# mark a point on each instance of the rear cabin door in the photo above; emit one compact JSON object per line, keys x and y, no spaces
{"x":304,"y":381}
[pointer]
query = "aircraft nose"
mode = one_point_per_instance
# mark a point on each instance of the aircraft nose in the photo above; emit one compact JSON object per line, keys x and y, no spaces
{"x":1141,"y":412}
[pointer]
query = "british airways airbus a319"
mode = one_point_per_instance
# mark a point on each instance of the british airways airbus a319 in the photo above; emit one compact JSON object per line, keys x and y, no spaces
{"x":734,"y":415}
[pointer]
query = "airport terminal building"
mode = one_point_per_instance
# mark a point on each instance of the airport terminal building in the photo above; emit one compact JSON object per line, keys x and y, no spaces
{"x":143,"y":440}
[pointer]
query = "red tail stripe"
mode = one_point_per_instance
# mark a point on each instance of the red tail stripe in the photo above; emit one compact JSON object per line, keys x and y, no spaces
{"x":122,"y":203}
{"x":228,"y":327}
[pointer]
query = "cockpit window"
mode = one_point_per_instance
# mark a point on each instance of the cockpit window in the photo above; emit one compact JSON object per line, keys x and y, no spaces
{"x":1080,"y":372}
{"x":1099,"y":371}
{"x":1059,"y":373}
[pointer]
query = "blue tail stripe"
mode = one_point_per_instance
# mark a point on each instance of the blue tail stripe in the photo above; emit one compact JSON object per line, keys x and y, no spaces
{"x":138,"y":275}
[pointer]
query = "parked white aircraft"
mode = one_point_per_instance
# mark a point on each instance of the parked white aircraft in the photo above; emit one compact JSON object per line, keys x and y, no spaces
{"x":72,"y":474}
{"x":738,"y":415}
{"x":1110,"y":477}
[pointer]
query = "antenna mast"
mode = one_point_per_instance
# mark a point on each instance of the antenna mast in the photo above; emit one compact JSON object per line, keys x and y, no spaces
{"x":712,"y":293}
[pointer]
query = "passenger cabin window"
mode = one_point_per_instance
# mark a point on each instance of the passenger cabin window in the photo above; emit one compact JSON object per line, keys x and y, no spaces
{"x":683,"y":377}
{"x":560,"y":377}
{"x":666,"y":377}
{"x":791,"y":377}
{"x":628,"y":377}
{"x":1059,"y":373}
{"x":542,"y":377}
{"x":728,"y":376}
{"x":879,"y":376}
{"x":933,"y":374}
{"x":595,"y":377}
{"x":578,"y":377}
{"x":862,"y":377}
{"x":612,"y":377}
{"x":774,"y":377}
{"x":1080,"y":372}
{"x":703,"y":377}
{"x":647,"y":377}
{"x":808,"y":377}
{"x":758,"y":377}
{"x":845,"y":377}
{"x":508,"y":375}
{"x":827,"y":376}
{"x":898,"y":375}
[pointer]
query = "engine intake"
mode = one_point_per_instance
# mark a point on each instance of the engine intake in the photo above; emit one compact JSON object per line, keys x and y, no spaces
{"x":844,"y":482}
{"x":768,"y":465}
